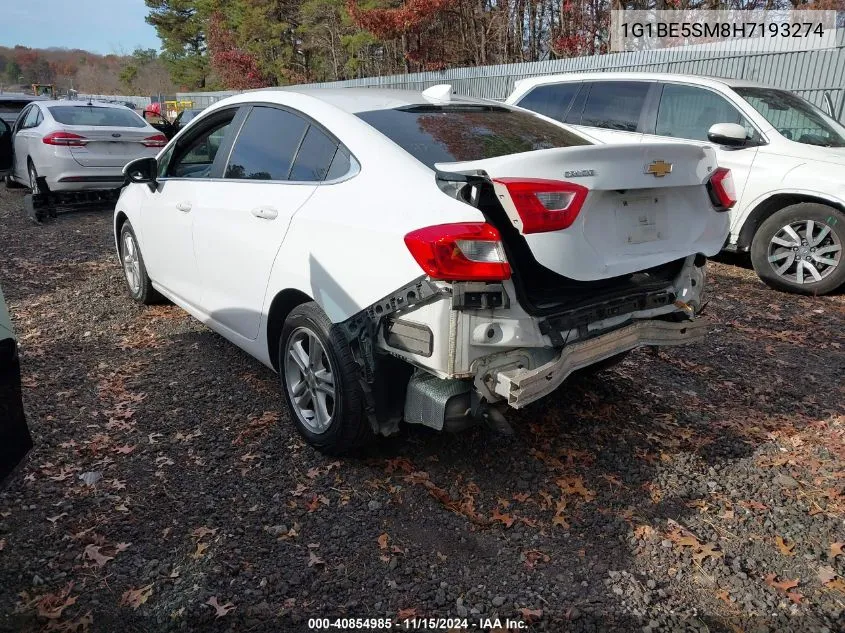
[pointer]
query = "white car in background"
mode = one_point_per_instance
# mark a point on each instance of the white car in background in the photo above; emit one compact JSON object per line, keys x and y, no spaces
{"x":786,"y":155}
{"x":78,"y":145}
{"x":396,"y":254}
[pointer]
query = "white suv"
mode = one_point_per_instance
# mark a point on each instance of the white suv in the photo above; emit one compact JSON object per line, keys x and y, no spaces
{"x":787,"y":157}
{"x":411,"y":255}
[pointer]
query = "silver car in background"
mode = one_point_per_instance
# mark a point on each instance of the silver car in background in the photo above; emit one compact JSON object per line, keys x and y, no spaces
{"x":79,"y":145}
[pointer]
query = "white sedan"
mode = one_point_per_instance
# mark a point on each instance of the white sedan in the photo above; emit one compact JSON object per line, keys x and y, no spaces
{"x":419,"y":256}
{"x":77,"y":145}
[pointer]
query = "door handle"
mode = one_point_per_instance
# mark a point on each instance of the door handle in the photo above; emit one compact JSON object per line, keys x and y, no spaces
{"x":183,"y":206}
{"x":266,"y":213}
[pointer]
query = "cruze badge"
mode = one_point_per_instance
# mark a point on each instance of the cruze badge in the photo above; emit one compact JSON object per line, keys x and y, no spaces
{"x":658,"y":168}
{"x":579,"y":173}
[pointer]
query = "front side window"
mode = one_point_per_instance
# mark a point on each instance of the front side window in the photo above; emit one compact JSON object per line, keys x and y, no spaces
{"x":266,"y":145}
{"x":615,"y":105}
{"x":552,"y":100}
{"x":688,"y":112}
{"x":793,"y":117}
{"x":92,"y":115}
{"x":194,"y":157}
{"x":444,"y":134}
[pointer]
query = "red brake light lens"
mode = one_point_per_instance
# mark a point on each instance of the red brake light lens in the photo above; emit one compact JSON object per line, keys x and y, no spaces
{"x":158,"y":140}
{"x":460,"y":252}
{"x":544,"y":205}
{"x":722,"y":187}
{"x":65,"y":139}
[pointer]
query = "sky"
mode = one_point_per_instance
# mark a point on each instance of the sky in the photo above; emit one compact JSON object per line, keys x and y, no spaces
{"x":100,"y":26}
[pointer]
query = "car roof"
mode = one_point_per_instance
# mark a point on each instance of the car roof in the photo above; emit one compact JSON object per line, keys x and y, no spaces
{"x":713,"y":82}
{"x":82,"y":102}
{"x":354,"y":100}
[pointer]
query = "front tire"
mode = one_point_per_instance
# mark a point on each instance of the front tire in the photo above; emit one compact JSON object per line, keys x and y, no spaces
{"x":134,"y":271}
{"x":799,"y":249}
{"x":320,"y":381}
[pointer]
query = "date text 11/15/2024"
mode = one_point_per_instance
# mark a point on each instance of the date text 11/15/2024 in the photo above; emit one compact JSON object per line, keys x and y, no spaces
{"x":416,"y":624}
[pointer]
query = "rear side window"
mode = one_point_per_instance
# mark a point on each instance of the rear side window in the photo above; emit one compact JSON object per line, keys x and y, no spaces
{"x":552,"y":100}
{"x":434,"y":134}
{"x":615,"y":105}
{"x":314,"y":157}
{"x":96,"y":116}
{"x":266,"y":145}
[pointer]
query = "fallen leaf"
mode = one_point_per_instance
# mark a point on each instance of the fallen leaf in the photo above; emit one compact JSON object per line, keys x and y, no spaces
{"x":836,"y":549}
{"x":122,"y":547}
{"x":785,"y":548}
{"x":382,"y":541}
{"x":201,"y":547}
{"x":708,"y":549}
{"x":826,"y":574}
{"x":56,"y":518}
{"x":783,"y":585}
{"x":506,"y":519}
{"x":406,"y":613}
{"x":794,"y":596}
{"x":51,"y":605}
{"x":124,"y":450}
{"x":313,"y":559}
{"x":136,"y":597}
{"x":531,"y":614}
{"x":575,"y":486}
{"x":202,"y":532}
{"x":93,"y":552}
{"x":220,"y":609}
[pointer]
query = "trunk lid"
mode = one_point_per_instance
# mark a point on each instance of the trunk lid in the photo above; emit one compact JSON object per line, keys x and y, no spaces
{"x":646,"y":205}
{"x":110,"y":146}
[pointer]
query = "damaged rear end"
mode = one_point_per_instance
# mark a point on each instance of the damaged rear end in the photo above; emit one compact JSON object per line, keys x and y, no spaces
{"x":585,"y":253}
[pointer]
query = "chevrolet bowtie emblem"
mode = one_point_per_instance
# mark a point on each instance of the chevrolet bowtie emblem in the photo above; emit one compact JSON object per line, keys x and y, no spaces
{"x":658,"y":168}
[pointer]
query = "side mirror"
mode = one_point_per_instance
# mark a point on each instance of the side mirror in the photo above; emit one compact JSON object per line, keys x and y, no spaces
{"x":828,"y":104}
{"x":730,"y":134}
{"x":142,"y":170}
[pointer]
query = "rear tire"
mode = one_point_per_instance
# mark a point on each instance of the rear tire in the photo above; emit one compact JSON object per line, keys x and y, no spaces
{"x":783,"y":245}
{"x":138,"y":282}
{"x":33,"y":177}
{"x":319,"y":378}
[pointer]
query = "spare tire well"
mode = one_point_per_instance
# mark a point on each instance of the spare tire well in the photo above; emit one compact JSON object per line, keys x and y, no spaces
{"x":769,"y":206}
{"x":280,"y":308}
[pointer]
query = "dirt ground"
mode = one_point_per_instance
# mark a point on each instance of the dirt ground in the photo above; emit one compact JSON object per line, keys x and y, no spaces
{"x":699,"y":489}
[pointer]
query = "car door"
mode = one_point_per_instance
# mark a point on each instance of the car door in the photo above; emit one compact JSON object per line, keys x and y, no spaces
{"x":277,"y":161}
{"x":610,"y":111}
{"x":168,"y":211}
{"x":685,"y":113}
{"x":5,"y":148}
{"x":21,"y":139}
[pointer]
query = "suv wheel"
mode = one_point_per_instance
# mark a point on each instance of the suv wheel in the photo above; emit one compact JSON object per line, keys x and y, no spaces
{"x":33,"y":178}
{"x":320,"y":381}
{"x":799,"y":249}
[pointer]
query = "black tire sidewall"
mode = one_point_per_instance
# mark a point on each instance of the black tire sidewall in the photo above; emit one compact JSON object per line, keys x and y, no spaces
{"x":349,"y":427}
{"x":802,"y":211}
{"x":30,"y":170}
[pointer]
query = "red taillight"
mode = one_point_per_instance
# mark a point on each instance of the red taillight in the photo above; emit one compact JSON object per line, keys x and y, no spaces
{"x":65,"y":139}
{"x":158,"y":140}
{"x":722,"y":186}
{"x":544,"y":205}
{"x":460,"y":252}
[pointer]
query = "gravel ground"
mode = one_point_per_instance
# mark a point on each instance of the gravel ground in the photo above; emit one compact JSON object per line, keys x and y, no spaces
{"x":698,"y":489}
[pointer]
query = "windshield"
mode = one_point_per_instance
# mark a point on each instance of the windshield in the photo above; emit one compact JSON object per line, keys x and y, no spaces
{"x":96,"y":116}
{"x":795,"y":118}
{"x":445,"y":134}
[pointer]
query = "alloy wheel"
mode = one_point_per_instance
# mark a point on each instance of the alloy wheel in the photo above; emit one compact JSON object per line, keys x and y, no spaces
{"x":309,"y":379}
{"x":131,"y":263}
{"x":805,"y":251}
{"x":33,"y":180}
